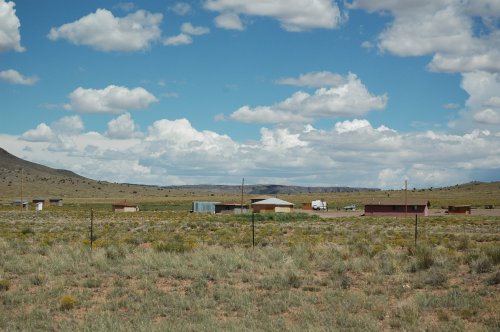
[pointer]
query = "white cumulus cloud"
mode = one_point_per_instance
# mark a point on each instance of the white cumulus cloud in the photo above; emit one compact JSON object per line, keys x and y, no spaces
{"x":229,"y":21}
{"x":14,"y":77}
{"x":348,"y":97}
{"x":42,"y":133}
{"x":293,"y":15}
{"x":488,"y":116}
{"x":180,"y":39}
{"x":443,"y":29}
{"x":105,"y":32}
{"x":184,"y":38}
{"x":189,"y":29}
{"x":181,"y":8}
{"x":314,"y":79}
{"x":10,"y":38}
{"x":68,"y":125}
{"x":112,"y":99}
{"x":122,"y":127}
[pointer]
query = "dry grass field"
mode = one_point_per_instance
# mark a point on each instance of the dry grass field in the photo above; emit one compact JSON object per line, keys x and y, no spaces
{"x":165,"y":269}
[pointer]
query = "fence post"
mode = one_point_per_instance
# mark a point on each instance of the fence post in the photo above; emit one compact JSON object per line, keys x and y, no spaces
{"x":253,"y":229}
{"x":91,"y":228}
{"x":416,"y":231}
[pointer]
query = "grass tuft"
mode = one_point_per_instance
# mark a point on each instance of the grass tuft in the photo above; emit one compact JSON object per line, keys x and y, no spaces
{"x":67,"y":302}
{"x":4,"y":285}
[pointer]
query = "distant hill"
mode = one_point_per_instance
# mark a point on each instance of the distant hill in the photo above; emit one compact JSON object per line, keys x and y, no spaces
{"x":43,"y":181}
{"x":10,"y":164}
{"x":271,"y":189}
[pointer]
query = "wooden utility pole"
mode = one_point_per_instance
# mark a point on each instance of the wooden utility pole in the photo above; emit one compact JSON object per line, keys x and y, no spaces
{"x":22,"y":179}
{"x":242,"y":185}
{"x":416,"y":229}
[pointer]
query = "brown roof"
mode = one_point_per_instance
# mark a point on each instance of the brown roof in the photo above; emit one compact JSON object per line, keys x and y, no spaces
{"x":126,"y":204}
{"x":395,"y":201}
{"x":231,"y":204}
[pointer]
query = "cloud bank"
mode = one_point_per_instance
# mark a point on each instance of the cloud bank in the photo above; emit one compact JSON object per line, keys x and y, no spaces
{"x":352,"y":152}
{"x":343,"y":96}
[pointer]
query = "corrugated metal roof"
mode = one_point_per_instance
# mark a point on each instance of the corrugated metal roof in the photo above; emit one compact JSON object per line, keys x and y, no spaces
{"x":395,"y":201}
{"x":273,"y":201}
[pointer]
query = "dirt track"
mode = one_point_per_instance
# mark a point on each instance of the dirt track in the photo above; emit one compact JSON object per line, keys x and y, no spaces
{"x":432,"y":212}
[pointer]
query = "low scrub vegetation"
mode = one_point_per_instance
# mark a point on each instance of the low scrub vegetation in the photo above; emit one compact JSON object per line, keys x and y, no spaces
{"x":172,"y":270}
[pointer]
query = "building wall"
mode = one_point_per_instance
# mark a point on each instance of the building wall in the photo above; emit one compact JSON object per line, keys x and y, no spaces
{"x":307,"y":206}
{"x":396,"y":210}
{"x":459,"y":210}
{"x":271,"y":208}
{"x":203,"y":207}
{"x":125,"y":209}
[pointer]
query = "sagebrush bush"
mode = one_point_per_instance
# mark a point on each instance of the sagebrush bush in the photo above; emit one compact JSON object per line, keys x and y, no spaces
{"x":493,"y":253}
{"x":177,"y":244}
{"x":494,"y":279}
{"x":436,"y":278}
{"x":482,"y":264}
{"x":114,"y":252}
{"x":424,"y":257}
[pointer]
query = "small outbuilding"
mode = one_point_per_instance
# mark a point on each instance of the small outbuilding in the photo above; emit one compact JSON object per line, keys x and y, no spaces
{"x":459,"y":209}
{"x":307,"y":206}
{"x":396,"y":207}
{"x":56,"y":201}
{"x":272,"y":205}
{"x":39,"y":200}
{"x":206,"y":207}
{"x":125,"y":207}
{"x":231,"y":208}
{"x":23,"y":203}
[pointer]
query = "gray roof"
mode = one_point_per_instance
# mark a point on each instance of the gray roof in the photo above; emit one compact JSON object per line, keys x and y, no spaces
{"x":273,"y":201}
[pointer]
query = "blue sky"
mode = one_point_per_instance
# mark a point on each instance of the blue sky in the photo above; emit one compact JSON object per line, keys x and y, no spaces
{"x":357,"y":93}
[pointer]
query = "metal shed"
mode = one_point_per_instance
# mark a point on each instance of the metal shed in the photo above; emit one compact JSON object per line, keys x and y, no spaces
{"x":207,"y":207}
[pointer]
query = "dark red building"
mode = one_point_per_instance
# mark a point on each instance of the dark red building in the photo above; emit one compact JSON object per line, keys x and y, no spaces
{"x":396,"y":207}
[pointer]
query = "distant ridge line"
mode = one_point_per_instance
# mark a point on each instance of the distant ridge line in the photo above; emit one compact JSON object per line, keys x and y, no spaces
{"x":271,"y":189}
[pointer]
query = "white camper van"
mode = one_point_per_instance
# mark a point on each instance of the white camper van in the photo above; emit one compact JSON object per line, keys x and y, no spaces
{"x":319,"y":205}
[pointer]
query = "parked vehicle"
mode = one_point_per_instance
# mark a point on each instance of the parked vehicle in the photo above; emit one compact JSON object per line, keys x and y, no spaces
{"x":319,"y":205}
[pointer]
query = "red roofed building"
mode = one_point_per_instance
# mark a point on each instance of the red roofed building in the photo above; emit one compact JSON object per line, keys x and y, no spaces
{"x":396,"y":207}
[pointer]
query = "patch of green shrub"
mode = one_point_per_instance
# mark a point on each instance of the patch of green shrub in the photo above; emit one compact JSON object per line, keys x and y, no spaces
{"x":67,"y":302}
{"x":4,"y":284}
{"x":176,"y":244}
{"x":27,"y":230}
